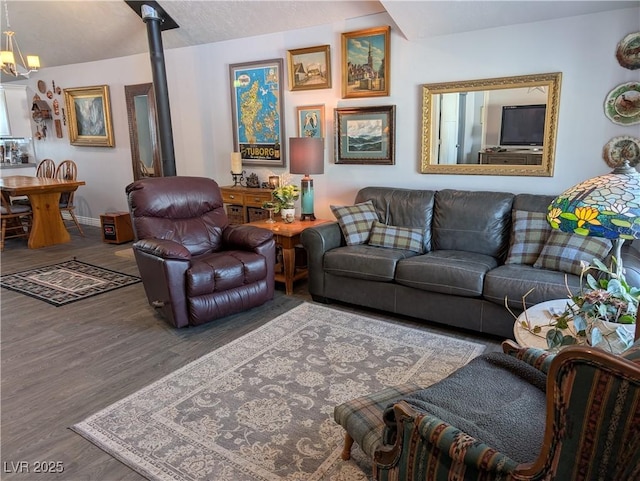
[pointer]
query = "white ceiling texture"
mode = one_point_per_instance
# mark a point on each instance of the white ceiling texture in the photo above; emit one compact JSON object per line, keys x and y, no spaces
{"x":76,"y":31}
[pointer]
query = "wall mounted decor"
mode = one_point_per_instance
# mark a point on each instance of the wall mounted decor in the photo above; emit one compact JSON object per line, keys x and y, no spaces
{"x":309,"y":68}
{"x":257,"y":104}
{"x":365,"y":135}
{"x":366,"y":63}
{"x":628,"y":51}
{"x":89,"y":110}
{"x":310,"y":121}
{"x":461,"y":125}
{"x":622,"y":148}
{"x":622,"y":105}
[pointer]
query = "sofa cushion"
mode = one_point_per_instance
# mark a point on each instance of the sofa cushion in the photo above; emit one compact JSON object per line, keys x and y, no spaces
{"x":446,"y":271}
{"x":513,"y":281}
{"x":472,"y":221}
{"x":564,"y":252}
{"x":364,"y":262}
{"x":529,"y":233}
{"x":409,"y":238}
{"x":355,"y":221}
{"x":402,"y":207}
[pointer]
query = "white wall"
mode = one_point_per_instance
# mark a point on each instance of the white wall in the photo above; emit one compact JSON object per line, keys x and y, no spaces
{"x":582,"y":48}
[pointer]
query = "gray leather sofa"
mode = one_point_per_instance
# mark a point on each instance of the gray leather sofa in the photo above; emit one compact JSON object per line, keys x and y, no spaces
{"x":461,"y":280}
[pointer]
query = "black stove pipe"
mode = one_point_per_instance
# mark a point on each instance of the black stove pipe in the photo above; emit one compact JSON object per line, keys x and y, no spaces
{"x":156,"y":51}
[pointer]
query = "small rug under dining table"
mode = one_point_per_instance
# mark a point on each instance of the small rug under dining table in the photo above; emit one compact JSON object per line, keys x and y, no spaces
{"x":261,"y":407}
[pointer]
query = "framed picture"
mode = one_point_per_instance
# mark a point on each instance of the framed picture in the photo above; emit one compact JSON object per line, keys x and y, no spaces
{"x":365,"y":135}
{"x":89,"y":111}
{"x":257,"y":103}
{"x":365,"y":63}
{"x":309,"y":68}
{"x":311,"y":121}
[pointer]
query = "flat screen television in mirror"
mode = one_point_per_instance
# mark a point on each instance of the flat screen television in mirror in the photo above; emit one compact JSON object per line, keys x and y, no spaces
{"x":522,"y":125}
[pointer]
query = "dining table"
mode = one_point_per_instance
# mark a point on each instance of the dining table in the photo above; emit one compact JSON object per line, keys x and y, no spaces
{"x":44,"y":196}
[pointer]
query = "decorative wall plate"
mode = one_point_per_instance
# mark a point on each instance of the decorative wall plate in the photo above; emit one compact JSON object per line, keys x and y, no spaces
{"x":628,"y":51}
{"x":622,"y":148}
{"x":42,"y":87}
{"x":622,"y":105}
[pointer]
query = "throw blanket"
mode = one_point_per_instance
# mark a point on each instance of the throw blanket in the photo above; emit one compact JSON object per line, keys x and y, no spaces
{"x":495,"y":398}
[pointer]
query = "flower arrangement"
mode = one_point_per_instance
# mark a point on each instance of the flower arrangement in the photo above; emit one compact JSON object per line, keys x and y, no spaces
{"x":285,"y":196}
{"x":606,"y":298}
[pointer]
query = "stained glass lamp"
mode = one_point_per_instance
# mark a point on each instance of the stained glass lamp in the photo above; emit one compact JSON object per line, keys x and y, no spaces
{"x":605,"y":206}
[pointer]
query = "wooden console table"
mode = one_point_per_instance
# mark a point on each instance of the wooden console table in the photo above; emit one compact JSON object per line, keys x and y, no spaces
{"x":244,"y":204}
{"x":511,"y":157}
{"x":288,"y":237}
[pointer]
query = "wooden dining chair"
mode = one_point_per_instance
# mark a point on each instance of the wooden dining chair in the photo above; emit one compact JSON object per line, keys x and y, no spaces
{"x":46,"y":168}
{"x":15,"y":220}
{"x":68,"y":170}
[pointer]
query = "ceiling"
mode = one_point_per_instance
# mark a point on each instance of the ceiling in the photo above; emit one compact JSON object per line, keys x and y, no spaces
{"x":69,"y":32}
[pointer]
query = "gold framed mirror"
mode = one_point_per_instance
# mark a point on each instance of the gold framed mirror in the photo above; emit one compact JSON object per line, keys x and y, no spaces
{"x":495,"y":126}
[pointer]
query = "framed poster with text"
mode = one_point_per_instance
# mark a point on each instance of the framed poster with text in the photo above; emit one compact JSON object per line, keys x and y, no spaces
{"x":257,"y":107}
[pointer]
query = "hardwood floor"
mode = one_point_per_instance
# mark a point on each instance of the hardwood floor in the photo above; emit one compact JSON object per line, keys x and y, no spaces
{"x":59,"y":365}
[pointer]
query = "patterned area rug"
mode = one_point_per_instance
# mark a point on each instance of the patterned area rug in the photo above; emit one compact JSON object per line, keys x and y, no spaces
{"x":67,"y":282}
{"x":261,"y":407}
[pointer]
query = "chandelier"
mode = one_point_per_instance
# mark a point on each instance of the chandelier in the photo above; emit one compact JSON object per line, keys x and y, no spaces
{"x":11,"y":49}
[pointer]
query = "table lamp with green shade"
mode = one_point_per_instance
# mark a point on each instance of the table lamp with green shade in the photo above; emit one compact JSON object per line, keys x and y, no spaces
{"x":604,"y":206}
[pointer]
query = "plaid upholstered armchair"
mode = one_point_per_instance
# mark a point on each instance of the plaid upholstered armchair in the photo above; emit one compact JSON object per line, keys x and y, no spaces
{"x":581,"y":423}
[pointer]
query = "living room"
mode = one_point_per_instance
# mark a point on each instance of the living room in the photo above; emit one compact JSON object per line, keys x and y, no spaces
{"x":119,"y":345}
{"x":582,"y":48}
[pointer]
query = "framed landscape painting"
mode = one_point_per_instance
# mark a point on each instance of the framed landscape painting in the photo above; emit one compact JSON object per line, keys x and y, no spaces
{"x":311,"y":121}
{"x":89,"y":110}
{"x":309,"y":68}
{"x":366,"y":63}
{"x":365,"y":135}
{"x":257,"y":106}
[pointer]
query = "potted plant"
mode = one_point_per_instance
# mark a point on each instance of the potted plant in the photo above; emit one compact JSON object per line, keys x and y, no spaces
{"x":284,"y":198}
{"x":601,"y":314}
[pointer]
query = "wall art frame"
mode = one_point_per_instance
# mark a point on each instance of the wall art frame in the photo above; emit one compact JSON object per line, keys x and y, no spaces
{"x":309,"y":68}
{"x":365,"y":135}
{"x":366,"y":60}
{"x":257,"y":104}
{"x":311,"y":122}
{"x":89,"y":111}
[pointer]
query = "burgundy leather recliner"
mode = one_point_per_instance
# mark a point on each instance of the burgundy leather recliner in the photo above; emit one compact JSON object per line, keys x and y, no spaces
{"x":195,"y":267}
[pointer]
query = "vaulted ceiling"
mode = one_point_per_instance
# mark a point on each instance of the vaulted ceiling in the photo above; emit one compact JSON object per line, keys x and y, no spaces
{"x":69,"y":32}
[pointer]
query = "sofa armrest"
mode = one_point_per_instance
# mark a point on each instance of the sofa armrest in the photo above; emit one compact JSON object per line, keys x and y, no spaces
{"x":245,"y":237}
{"x":443,"y":443}
{"x":164,"y":248}
{"x":538,"y":358}
{"x":317,"y":240}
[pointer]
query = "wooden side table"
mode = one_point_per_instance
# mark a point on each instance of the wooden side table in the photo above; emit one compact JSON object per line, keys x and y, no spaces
{"x":287,"y":236}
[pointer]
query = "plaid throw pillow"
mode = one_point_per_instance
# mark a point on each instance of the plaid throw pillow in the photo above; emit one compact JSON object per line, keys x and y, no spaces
{"x":355,"y":221}
{"x":406,"y":238}
{"x":528,"y":236}
{"x":563,"y":252}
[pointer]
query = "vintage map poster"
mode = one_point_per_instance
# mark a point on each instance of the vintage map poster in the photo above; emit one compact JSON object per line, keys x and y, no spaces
{"x":257,"y":108}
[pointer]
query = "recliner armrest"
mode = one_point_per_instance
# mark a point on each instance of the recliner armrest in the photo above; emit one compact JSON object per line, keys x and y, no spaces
{"x":164,"y":248}
{"x":246,"y":237}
